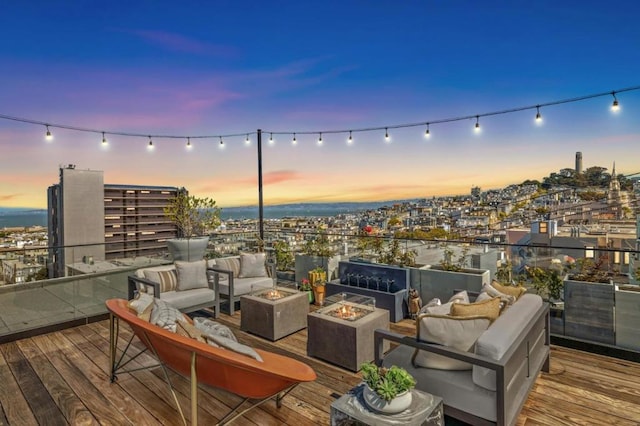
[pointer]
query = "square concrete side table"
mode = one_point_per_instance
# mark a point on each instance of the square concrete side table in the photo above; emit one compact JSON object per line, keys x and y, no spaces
{"x":343,"y":342}
{"x":351,"y":410}
{"x":274,"y":319}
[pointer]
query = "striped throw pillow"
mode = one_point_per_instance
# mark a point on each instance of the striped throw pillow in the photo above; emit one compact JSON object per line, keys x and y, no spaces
{"x":168,"y":280}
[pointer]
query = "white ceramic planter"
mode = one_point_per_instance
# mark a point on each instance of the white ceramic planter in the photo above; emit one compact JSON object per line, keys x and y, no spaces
{"x":376,"y":403}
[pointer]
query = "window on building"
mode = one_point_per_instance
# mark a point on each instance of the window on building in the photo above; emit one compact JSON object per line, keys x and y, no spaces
{"x":543,"y":227}
{"x":588,"y":252}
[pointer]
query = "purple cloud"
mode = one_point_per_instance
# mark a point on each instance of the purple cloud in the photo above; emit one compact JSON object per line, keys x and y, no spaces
{"x":180,"y":43}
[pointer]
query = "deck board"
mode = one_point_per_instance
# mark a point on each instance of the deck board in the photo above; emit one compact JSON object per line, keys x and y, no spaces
{"x":63,"y":378}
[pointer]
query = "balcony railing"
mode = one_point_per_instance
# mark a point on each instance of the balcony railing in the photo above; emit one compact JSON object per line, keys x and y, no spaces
{"x":597,"y":313}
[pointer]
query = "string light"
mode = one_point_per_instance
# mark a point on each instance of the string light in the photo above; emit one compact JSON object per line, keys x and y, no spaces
{"x":271,"y":138}
{"x":247,"y":141}
{"x":350,"y":140}
{"x":104,"y":139}
{"x":538,"y":115}
{"x":427,"y":134}
{"x":615,"y":107}
{"x":188,"y":143}
{"x":294,"y":141}
{"x":477,"y":127}
{"x":386,"y":135}
{"x":150,"y":146}
{"x":221,"y":142}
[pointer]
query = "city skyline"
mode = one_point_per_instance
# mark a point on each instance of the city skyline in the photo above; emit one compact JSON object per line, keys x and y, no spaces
{"x":231,"y":69}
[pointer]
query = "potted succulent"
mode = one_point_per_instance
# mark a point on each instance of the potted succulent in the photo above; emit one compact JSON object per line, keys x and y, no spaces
{"x":387,"y":390}
{"x":193,"y":217}
{"x":317,"y":280}
{"x":305,"y":285}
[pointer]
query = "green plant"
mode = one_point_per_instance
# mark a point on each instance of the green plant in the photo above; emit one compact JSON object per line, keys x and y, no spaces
{"x":319,"y":245}
{"x":449,"y":264}
{"x":305,"y":285}
{"x":284,"y":256}
{"x":192,"y":215}
{"x":387,"y":382}
{"x":394,"y":256}
{"x":547,"y":283}
{"x":591,"y":271}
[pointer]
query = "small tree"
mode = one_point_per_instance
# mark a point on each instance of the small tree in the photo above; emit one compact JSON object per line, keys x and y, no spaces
{"x":284,"y":256}
{"x":192,"y":215}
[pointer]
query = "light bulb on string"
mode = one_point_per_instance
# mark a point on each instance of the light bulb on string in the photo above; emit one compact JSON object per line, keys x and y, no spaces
{"x":538,"y":115}
{"x":221,"y":143}
{"x":104,"y":139}
{"x":247,"y":141}
{"x":386,"y":135}
{"x":350,"y":140}
{"x":477,"y":126}
{"x":150,"y":145}
{"x":189,"y":146}
{"x":320,"y":139}
{"x":615,"y":106}
{"x":48,"y":136}
{"x":294,"y":141}
{"x":427,"y":133}
{"x":271,"y":138}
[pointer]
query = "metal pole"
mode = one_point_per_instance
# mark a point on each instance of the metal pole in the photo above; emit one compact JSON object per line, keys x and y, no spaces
{"x":260,"y":203}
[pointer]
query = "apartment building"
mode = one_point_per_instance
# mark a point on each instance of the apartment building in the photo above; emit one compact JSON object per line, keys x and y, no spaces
{"x":90,"y":220}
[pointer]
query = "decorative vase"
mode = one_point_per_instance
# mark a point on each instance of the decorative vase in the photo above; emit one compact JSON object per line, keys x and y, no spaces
{"x":318,"y":294}
{"x":310,"y":295}
{"x":315,"y":277}
{"x":379,"y":404}
{"x":189,"y":249}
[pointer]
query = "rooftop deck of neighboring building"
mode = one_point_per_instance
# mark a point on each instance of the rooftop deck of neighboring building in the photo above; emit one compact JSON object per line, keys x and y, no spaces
{"x":62,"y":378}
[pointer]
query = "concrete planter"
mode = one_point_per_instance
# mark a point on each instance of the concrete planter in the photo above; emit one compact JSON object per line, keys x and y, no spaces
{"x":305,"y":263}
{"x":589,"y":311}
{"x":627,"y":318}
{"x":188,"y":249}
{"x":431,"y":281}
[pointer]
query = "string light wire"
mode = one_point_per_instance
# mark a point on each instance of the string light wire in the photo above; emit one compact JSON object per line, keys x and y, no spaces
{"x":48,"y":125}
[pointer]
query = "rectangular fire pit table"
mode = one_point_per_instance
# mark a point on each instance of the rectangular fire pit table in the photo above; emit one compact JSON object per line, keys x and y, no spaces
{"x":342,"y":331}
{"x":275,"y":312}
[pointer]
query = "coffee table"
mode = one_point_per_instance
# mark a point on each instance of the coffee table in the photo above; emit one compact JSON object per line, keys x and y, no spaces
{"x":350,"y":409}
{"x":274,"y":312}
{"x":341,"y":332}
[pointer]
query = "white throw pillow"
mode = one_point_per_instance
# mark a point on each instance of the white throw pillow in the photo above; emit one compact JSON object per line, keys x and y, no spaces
{"x":252,"y":265}
{"x":459,"y":333}
{"x":164,"y":315}
{"x":460,"y":297}
{"x":492,"y":291}
{"x":234,"y":346}
{"x":191,"y":275}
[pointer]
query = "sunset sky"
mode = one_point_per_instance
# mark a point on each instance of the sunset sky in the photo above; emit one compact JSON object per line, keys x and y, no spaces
{"x":215,"y":68}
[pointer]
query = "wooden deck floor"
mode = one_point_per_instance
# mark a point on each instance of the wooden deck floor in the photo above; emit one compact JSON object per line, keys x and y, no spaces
{"x":61,"y":378}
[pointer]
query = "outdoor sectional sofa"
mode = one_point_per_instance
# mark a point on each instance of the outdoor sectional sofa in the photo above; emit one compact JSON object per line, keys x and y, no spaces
{"x":508,"y":357}
{"x":227,"y":278}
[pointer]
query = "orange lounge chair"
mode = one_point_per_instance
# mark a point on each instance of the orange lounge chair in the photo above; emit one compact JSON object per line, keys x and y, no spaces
{"x":276,"y":376}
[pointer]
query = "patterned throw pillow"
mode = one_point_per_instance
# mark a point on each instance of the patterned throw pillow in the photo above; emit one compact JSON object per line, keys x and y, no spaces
{"x":164,"y":315}
{"x":142,"y":304}
{"x":210,"y":327}
{"x":229,"y":264}
{"x":186,"y":329}
{"x":168,"y":280}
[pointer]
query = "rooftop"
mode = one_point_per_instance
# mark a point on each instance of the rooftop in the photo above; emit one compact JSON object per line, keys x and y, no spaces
{"x":62,"y":378}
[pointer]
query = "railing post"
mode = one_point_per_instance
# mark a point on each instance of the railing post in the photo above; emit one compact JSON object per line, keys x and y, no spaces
{"x":260,"y":202}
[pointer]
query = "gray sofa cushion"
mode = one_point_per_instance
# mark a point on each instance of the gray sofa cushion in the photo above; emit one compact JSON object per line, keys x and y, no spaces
{"x":186,"y":299}
{"x":245,"y":285}
{"x":497,"y":340}
{"x":191,"y":275}
{"x":455,"y":387}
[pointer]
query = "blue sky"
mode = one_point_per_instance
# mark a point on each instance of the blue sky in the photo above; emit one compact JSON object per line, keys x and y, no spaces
{"x":220,"y":68}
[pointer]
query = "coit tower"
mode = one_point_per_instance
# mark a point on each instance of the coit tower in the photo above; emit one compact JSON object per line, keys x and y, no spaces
{"x":578,"y":162}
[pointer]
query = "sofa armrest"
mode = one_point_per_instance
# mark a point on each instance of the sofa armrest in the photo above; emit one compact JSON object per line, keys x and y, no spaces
{"x":381,"y":335}
{"x":133,"y":282}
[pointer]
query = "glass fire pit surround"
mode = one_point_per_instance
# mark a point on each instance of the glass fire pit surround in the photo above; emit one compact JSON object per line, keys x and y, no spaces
{"x":273,"y":293}
{"x":348,"y":307}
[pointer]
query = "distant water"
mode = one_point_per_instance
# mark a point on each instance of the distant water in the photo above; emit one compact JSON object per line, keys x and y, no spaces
{"x":20,"y":217}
